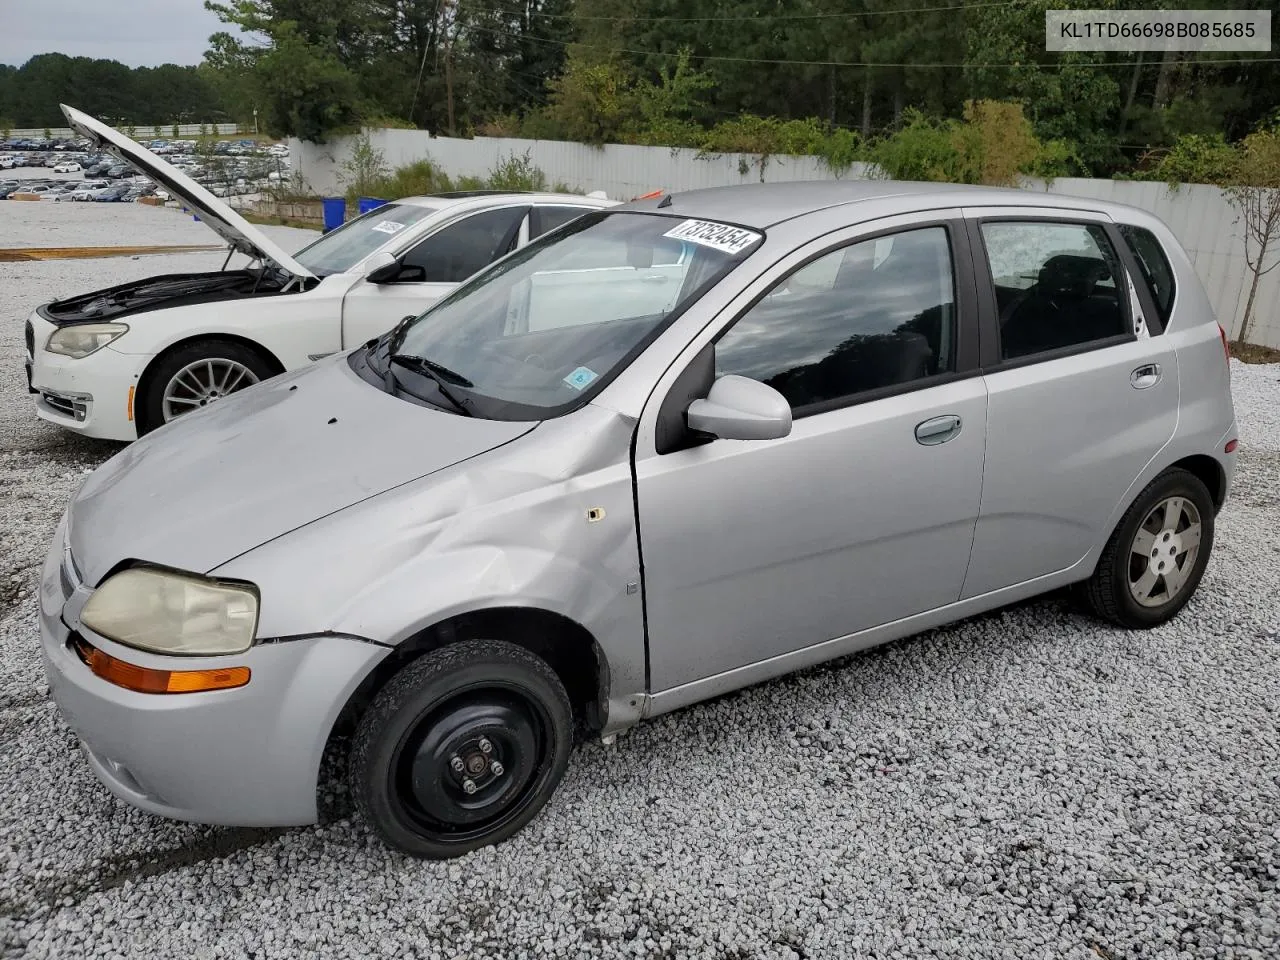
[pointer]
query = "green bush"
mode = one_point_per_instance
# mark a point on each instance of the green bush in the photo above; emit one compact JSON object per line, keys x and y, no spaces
{"x":1197,"y":158}
{"x":517,"y":173}
{"x":366,"y":176}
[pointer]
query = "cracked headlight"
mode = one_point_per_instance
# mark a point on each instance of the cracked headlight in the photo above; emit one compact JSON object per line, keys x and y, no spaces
{"x":174,"y":613}
{"x":83,"y":339}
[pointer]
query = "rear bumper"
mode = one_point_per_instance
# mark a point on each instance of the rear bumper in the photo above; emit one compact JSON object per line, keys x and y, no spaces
{"x":1227,"y":461}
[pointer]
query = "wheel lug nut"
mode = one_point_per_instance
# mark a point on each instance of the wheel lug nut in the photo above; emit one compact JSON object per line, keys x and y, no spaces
{"x":457,"y":764}
{"x":486,"y":746}
{"x":468,"y":786}
{"x":495,"y":768}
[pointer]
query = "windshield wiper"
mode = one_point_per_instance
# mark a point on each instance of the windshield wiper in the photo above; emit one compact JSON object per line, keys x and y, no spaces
{"x":437,"y":373}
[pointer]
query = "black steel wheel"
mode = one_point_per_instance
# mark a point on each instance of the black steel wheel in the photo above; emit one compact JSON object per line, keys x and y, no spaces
{"x":461,"y":749}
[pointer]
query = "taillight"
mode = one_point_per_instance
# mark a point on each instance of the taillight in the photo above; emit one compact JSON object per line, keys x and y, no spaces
{"x":1226,"y":349}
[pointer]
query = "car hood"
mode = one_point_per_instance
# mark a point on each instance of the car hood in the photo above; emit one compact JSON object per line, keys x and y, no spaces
{"x":225,"y":222}
{"x":225,"y":479}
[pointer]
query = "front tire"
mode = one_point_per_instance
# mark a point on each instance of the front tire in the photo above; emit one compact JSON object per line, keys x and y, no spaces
{"x":461,"y":749}
{"x":195,"y":375}
{"x":1157,"y":554}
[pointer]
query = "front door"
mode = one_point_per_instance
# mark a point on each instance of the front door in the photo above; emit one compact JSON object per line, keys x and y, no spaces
{"x":865,"y":513}
{"x":432,"y":267}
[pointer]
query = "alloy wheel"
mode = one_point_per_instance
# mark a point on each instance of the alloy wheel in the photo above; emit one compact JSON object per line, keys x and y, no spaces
{"x":1164,"y":550}
{"x":202,"y":382}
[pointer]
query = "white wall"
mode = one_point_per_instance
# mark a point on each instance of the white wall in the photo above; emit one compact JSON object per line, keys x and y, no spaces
{"x":1199,"y":215}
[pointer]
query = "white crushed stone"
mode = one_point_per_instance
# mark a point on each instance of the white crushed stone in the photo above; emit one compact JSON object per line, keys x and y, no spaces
{"x":1026,"y":784}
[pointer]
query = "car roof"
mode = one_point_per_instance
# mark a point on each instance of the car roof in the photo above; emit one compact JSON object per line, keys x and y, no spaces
{"x":763,"y":205}
{"x":478,"y":199}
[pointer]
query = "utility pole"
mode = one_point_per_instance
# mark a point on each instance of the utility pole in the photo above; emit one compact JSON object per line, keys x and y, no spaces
{"x":450,"y":15}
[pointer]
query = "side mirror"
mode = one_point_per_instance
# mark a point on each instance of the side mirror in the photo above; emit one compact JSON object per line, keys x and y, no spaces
{"x":382,"y":268}
{"x":739,"y":408}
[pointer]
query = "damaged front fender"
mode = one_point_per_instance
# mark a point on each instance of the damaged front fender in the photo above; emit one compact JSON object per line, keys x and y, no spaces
{"x":545,"y":522}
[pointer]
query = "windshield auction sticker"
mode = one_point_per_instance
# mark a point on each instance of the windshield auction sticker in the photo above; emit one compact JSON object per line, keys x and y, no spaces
{"x":388,"y":226}
{"x":717,"y":236}
{"x":1153,"y":30}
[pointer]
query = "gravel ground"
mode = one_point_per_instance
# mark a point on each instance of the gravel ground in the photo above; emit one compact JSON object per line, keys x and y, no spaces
{"x":1025,"y":784}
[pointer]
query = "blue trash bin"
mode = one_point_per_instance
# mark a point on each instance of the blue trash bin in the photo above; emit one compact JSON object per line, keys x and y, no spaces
{"x":370,"y":203}
{"x":335,"y":212}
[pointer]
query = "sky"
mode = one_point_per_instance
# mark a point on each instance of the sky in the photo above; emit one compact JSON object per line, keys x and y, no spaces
{"x":138,"y":33}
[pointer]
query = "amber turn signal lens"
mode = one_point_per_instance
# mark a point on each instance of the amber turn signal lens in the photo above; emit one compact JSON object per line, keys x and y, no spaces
{"x":146,"y":680}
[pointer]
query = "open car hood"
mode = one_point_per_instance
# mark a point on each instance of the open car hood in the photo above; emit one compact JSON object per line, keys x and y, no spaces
{"x":243,"y":236}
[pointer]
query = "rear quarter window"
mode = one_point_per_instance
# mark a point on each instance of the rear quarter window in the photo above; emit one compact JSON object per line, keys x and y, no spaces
{"x":1154,"y":266}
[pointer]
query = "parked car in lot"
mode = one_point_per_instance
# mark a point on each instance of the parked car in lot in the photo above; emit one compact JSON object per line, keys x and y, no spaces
{"x":69,"y":167}
{"x":114,"y":193}
{"x":663,"y":452}
{"x":90,"y":190}
{"x":116,"y":363}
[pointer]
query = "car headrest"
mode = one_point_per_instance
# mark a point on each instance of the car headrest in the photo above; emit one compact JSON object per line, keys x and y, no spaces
{"x":1071,"y":274}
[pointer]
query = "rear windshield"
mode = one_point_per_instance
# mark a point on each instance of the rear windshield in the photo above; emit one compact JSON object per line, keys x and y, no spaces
{"x":1154,"y":266}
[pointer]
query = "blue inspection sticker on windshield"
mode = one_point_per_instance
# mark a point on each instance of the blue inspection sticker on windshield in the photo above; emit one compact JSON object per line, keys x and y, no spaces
{"x":580,"y":378}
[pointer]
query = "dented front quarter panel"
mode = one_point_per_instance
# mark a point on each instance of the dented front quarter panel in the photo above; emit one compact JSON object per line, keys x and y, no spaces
{"x":512,"y":527}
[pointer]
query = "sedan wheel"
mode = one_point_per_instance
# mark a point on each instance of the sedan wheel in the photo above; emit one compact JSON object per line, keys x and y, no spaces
{"x":461,"y":749}
{"x":202,"y":382}
{"x":195,"y":375}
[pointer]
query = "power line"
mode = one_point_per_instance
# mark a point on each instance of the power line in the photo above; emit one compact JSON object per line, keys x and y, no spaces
{"x":774,"y":16}
{"x":846,"y":63}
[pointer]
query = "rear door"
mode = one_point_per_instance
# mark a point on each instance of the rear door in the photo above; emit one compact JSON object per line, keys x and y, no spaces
{"x":1081,"y":394}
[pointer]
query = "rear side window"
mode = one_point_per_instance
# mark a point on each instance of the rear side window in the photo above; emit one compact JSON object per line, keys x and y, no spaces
{"x":1154,"y":266}
{"x":1057,"y":285}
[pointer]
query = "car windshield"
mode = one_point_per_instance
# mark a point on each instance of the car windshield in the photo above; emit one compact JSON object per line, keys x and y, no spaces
{"x":542,"y":330}
{"x":341,"y":249}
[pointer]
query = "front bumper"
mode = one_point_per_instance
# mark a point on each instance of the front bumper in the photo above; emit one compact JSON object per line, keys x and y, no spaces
{"x":243,"y":757}
{"x":89,"y":395}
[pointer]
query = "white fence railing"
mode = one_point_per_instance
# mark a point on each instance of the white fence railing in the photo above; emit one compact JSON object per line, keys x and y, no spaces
{"x":149,"y":132}
{"x":1199,"y":215}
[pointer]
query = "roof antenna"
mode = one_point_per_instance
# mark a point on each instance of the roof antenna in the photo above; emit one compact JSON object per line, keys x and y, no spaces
{"x":664,"y":202}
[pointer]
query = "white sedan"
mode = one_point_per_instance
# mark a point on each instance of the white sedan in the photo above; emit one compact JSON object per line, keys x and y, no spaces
{"x":69,"y":167}
{"x":119,"y":362}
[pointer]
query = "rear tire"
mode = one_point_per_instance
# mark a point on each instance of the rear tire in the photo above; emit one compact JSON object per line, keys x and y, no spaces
{"x":1157,"y":554}
{"x":461,"y":749}
{"x":183,"y":380}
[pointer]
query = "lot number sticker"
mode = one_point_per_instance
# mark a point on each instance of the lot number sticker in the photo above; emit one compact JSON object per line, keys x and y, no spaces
{"x":388,"y":226}
{"x":717,"y":236}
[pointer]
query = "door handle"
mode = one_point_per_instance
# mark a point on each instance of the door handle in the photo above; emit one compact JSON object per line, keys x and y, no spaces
{"x":938,"y":430}
{"x":1147,"y":375}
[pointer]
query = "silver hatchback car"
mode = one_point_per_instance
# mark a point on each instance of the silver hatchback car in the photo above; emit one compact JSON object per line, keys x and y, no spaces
{"x":668,"y":450}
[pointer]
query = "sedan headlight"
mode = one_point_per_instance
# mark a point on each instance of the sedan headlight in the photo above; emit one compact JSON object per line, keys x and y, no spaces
{"x":83,"y":339}
{"x":176,"y":613}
